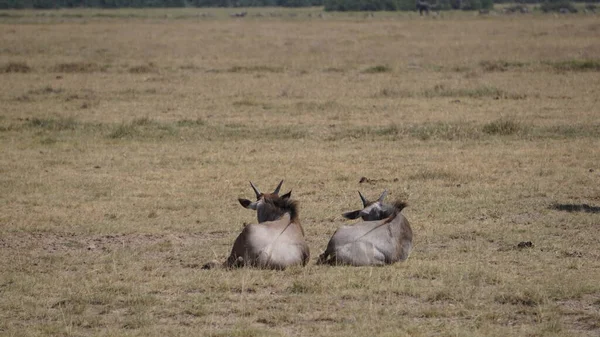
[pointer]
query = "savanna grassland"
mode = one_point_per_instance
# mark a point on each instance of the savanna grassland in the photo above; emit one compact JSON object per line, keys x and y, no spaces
{"x":127,"y":136}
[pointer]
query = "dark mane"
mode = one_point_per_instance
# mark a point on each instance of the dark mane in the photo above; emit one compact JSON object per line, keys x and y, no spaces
{"x":399,"y":205}
{"x":286,"y":205}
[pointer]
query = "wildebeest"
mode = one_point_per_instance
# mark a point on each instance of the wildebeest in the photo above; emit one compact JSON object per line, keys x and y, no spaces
{"x":423,"y":6}
{"x":383,"y":237}
{"x":277,"y":241}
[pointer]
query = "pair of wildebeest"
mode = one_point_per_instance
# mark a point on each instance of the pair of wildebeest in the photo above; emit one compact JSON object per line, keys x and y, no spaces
{"x":382,"y":237}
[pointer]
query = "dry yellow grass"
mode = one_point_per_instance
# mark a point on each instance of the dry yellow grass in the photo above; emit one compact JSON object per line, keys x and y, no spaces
{"x":127,"y":140}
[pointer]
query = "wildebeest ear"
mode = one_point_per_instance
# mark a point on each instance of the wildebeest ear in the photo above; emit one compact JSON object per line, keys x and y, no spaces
{"x":363,"y":199}
{"x":382,"y":196}
{"x":277,"y":188}
{"x":287,"y":195}
{"x":352,"y":215}
{"x":247,"y":203}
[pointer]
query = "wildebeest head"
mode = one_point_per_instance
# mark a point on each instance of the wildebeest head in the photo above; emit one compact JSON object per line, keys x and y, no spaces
{"x":269,"y":206}
{"x":375,"y":210}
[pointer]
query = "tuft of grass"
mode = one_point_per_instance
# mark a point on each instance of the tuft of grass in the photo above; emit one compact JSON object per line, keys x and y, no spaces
{"x":317,"y":106}
{"x":503,"y":127}
{"x":143,"y":121}
{"x":281,"y":132}
{"x":143,"y":127}
{"x":570,"y":131}
{"x":48,"y":141}
{"x":443,"y":131}
{"x":443,"y":295}
{"x":575,"y":65}
{"x":15,"y":67}
{"x":526,"y":297}
{"x":190,"y":122}
{"x":243,"y":332}
{"x":334,"y":70}
{"x":378,"y":69}
{"x":394,"y":93}
{"x":299,"y":288}
{"x":10,"y":15}
{"x":123,"y":131}
{"x":246,"y":102}
{"x":53,"y":124}
{"x":255,"y":69}
{"x":366,"y":132}
{"x":143,"y":69}
{"x":78,"y":67}
{"x":304,"y":286}
{"x":428,"y":174}
{"x":47,"y":90}
{"x":500,"y":65}
{"x":441,"y":90}
{"x":425,"y":131}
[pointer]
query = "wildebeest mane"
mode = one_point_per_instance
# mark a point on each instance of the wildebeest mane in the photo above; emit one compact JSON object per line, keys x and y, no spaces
{"x":284,"y":205}
{"x":399,"y":205}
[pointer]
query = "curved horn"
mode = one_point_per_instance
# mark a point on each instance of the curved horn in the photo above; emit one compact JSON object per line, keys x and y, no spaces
{"x":256,"y":190}
{"x":382,"y":196}
{"x":277,"y":188}
{"x":364,"y":200}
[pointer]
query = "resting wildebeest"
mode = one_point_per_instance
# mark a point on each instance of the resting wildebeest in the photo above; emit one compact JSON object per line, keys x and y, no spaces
{"x":276,"y":242}
{"x":383,"y":237}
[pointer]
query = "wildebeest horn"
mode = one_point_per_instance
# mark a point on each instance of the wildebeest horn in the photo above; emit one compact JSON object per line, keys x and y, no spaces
{"x":382,"y":196}
{"x":278,"y":187}
{"x":364,"y":200}
{"x":256,"y":190}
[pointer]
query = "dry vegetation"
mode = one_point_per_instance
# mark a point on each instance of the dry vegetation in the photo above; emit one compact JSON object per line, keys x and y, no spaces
{"x":126,"y":137}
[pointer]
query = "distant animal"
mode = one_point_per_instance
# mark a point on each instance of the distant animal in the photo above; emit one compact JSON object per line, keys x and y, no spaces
{"x":382,"y":237}
{"x":276,"y":242}
{"x":423,"y":6}
{"x":238,"y":15}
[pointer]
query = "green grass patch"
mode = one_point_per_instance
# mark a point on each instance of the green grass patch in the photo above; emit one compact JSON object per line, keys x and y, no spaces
{"x":529,"y":298}
{"x":366,"y":132}
{"x":11,"y":15}
{"x":47,"y":90}
{"x":53,"y":124}
{"x":317,"y":106}
{"x":78,"y":67}
{"x":500,"y":65}
{"x":426,"y":174}
{"x":122,"y":131}
{"x":441,"y":90}
{"x":575,"y":65}
{"x":300,"y":288}
{"x":244,"y":332}
{"x":568,"y":131}
{"x":246,"y":102}
{"x":190,"y":122}
{"x":254,"y":69}
{"x":142,"y":128}
{"x":334,"y":70}
{"x":378,"y":69}
{"x":393,"y":93}
{"x":147,"y":128}
{"x":503,"y":127}
{"x":143,"y":69}
{"x":15,"y":67}
{"x":443,"y":131}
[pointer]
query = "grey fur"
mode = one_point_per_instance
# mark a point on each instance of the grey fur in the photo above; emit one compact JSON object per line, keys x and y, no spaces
{"x":383,"y":237}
